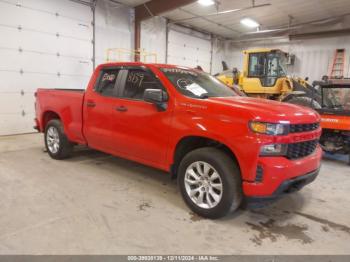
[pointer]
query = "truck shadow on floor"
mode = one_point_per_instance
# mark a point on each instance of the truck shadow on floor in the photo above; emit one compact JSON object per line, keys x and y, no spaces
{"x":264,"y":224}
{"x":157,"y":177}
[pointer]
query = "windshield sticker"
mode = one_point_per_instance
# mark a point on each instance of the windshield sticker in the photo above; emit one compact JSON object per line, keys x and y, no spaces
{"x":189,"y":85}
{"x":183,"y":83}
{"x":196,"y":89}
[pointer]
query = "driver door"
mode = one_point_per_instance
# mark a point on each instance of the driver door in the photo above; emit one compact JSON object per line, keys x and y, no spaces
{"x":140,"y":129}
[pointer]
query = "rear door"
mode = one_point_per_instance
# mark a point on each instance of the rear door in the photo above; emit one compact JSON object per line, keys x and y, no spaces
{"x":99,"y":110}
{"x":139,"y":128}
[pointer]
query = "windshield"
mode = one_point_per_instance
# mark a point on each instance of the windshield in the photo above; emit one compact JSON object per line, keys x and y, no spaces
{"x":267,"y":66}
{"x":336,"y":97}
{"x":196,"y":84}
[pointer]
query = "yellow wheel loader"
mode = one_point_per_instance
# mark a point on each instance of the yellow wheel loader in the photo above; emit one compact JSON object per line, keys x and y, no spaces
{"x":264,"y":75}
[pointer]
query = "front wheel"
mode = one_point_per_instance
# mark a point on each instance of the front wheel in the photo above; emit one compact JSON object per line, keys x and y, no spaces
{"x":210,"y":182}
{"x":57,"y":144}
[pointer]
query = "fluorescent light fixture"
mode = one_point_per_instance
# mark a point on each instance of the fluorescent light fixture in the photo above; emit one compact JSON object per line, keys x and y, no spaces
{"x":206,"y":2}
{"x":249,"y":22}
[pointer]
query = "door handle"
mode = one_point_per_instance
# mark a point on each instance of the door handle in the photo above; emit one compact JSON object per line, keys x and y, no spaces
{"x":121,"y":109}
{"x":90,"y":104}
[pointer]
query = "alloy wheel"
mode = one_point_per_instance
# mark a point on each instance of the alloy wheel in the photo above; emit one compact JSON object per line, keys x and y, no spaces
{"x":203,"y":184}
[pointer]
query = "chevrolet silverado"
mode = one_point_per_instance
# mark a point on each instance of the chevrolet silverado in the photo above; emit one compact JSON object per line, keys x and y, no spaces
{"x":222,"y":147}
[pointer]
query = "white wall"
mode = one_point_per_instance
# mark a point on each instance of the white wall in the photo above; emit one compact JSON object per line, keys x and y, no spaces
{"x":225,"y":51}
{"x":43,"y":43}
{"x":186,"y":47}
{"x":189,"y":48}
{"x":48,"y":44}
{"x":153,"y":38}
{"x":114,"y":29}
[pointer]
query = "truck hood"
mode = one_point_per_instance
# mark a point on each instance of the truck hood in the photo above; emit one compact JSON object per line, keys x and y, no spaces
{"x":269,"y":110}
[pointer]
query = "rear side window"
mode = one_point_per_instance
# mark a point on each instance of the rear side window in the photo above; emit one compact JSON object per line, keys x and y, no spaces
{"x":137,"y":81}
{"x":107,"y":82}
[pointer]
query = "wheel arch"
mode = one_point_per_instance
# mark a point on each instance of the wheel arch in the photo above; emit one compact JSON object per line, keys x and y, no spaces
{"x":190,"y":143}
{"x":48,"y":116}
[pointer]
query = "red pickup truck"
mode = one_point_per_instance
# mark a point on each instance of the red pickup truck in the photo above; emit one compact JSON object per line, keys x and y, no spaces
{"x":223,"y":148}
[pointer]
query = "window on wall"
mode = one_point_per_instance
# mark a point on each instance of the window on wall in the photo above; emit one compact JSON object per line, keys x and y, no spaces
{"x":137,"y":81}
{"x":107,"y":83}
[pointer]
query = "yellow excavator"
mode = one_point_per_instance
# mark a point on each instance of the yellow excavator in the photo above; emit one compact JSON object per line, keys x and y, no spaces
{"x":264,"y":75}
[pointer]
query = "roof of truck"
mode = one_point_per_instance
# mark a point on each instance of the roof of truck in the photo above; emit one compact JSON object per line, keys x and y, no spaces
{"x":142,"y":64}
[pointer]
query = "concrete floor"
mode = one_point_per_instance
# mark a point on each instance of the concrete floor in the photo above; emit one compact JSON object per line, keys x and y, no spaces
{"x":98,"y":204}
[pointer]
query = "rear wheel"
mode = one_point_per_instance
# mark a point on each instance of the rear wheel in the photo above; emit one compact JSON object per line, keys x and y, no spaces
{"x":210,"y":182}
{"x":57,"y":144}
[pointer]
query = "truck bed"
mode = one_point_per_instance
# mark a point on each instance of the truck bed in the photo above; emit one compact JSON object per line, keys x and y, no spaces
{"x":67,"y":89}
{"x":68,"y":104}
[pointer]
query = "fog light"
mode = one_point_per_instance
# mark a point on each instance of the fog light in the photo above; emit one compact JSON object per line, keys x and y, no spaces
{"x":273,"y":150}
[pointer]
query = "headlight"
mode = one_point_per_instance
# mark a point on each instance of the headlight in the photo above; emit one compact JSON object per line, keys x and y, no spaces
{"x":268,"y":128}
{"x":273,"y":150}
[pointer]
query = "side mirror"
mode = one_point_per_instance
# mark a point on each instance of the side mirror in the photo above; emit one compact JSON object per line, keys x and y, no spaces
{"x":157,"y":97}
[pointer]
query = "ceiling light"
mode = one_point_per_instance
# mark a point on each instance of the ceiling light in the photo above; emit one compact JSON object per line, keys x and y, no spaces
{"x":206,"y":2}
{"x":249,"y":22}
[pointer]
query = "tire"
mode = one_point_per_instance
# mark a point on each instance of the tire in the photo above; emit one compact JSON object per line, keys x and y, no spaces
{"x":304,"y":101}
{"x":215,"y":203}
{"x":56,"y":142}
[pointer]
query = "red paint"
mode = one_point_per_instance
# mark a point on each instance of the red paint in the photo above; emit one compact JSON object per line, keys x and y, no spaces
{"x":150,"y":137}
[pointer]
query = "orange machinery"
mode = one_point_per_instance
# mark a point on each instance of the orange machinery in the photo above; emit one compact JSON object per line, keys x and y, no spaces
{"x":335,"y":115}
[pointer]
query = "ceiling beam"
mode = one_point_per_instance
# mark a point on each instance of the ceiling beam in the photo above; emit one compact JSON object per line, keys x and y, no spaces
{"x":321,"y":34}
{"x":150,"y":9}
{"x":88,"y":3}
{"x":157,"y":7}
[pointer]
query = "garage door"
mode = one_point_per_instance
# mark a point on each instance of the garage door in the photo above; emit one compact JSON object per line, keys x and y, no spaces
{"x":187,"y":50}
{"x":43,"y":43}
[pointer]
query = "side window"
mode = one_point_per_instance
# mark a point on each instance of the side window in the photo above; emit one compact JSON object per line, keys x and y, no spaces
{"x":273,"y":67}
{"x":106,"y":85}
{"x":137,"y":81}
{"x":256,"y":65}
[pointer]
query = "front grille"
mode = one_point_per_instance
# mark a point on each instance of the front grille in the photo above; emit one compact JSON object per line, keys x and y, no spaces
{"x":302,"y":149}
{"x":297,"y":128}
